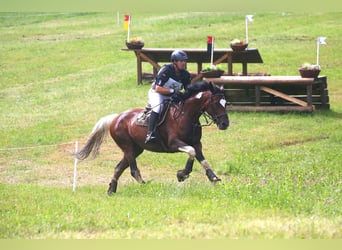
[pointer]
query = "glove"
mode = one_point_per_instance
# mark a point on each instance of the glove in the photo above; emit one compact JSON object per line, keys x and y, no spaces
{"x":177,"y":96}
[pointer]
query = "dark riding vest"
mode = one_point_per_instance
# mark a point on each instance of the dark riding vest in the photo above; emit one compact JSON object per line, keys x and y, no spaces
{"x":168,"y":71}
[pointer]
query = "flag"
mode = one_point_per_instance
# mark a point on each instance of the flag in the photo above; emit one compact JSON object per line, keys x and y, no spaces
{"x":127,"y":21}
{"x":321,"y":40}
{"x":210,"y":44}
{"x":249,"y":18}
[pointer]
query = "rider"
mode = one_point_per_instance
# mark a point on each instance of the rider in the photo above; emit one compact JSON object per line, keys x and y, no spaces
{"x":170,"y":79}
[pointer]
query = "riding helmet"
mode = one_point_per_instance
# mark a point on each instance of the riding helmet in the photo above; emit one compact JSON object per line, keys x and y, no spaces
{"x":178,"y":55}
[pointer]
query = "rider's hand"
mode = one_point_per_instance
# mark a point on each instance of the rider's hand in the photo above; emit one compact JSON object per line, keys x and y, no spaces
{"x":177,"y":96}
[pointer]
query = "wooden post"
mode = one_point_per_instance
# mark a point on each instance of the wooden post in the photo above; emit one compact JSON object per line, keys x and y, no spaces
{"x":199,"y":67}
{"x":257,"y":95}
{"x":309,"y":94}
{"x":230,"y":65}
{"x":244,"y":63}
{"x":139,"y":67}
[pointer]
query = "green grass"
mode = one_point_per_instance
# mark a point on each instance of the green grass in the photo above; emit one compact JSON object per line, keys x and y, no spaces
{"x":182,"y":211}
{"x":61,"y":72}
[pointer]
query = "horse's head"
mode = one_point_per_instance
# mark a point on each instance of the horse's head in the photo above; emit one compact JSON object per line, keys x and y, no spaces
{"x":214,"y":102}
{"x":216,"y":107}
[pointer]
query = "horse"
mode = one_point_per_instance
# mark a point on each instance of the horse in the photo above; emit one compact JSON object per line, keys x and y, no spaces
{"x":180,"y":131}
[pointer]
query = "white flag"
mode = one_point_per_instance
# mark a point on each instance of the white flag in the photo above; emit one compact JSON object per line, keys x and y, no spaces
{"x":321,"y":40}
{"x":249,"y":18}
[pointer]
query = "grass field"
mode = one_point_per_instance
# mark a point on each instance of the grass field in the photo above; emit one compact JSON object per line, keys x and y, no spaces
{"x":61,"y":72}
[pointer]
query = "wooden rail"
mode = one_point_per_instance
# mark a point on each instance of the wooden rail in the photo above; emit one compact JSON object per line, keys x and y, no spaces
{"x":274,"y":93}
{"x":154,"y":56}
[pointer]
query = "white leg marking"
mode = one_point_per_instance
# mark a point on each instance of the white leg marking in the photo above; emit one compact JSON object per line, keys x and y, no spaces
{"x":189,"y":150}
{"x":205,"y":164}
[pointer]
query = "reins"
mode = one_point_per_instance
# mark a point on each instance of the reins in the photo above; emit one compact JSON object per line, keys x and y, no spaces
{"x":209,"y":120}
{"x":214,"y":118}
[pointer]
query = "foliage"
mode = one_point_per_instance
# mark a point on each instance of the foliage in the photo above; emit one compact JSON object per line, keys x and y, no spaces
{"x":212,"y":67}
{"x":137,"y":40}
{"x":309,"y":66}
{"x":236,"y":41}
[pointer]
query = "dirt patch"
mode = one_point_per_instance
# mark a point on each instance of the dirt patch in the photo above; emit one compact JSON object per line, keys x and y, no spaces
{"x":312,"y":139}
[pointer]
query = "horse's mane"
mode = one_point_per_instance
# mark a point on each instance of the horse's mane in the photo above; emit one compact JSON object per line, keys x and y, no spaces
{"x":197,"y":87}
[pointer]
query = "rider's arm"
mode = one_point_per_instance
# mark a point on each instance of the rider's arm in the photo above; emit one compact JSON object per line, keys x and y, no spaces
{"x":162,"y":77}
{"x":164,"y":91}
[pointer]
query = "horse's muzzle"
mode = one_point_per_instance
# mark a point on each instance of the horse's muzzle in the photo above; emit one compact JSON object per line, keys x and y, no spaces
{"x":223,"y":125}
{"x":222,"y":121}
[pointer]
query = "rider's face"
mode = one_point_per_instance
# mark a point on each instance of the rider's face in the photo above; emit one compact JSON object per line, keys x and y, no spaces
{"x":180,"y":64}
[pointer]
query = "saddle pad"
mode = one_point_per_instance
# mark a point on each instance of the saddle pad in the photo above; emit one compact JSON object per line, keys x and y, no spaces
{"x":144,"y":116}
{"x":142,"y":119}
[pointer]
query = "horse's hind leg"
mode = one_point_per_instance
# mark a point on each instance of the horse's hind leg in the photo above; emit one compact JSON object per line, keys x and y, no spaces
{"x":120,"y":167}
{"x":135,"y":172}
{"x":185,"y":173}
{"x":131,"y":153}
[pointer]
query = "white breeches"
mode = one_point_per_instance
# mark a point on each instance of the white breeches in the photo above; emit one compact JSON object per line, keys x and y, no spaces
{"x":155,"y":100}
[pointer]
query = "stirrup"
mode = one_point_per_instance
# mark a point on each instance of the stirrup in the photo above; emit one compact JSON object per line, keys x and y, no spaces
{"x":150,"y":138}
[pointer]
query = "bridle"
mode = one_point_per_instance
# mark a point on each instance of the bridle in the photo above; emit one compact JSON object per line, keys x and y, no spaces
{"x":210,"y":119}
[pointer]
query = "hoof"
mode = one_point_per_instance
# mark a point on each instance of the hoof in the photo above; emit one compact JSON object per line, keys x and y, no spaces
{"x":215,"y":179}
{"x":112,"y":187}
{"x":211,"y":176}
{"x":181,"y":176}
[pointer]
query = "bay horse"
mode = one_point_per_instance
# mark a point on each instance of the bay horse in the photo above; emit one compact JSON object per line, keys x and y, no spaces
{"x":181,"y":131}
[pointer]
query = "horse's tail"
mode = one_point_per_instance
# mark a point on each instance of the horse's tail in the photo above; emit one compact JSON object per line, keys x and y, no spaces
{"x":97,"y":136}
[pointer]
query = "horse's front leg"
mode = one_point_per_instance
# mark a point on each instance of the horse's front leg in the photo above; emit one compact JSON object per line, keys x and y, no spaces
{"x":185,"y":173}
{"x":209,"y":172}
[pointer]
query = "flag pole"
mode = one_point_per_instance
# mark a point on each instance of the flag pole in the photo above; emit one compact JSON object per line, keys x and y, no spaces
{"x":317,"y":56}
{"x":246,"y":29}
{"x":127,"y":25}
{"x":249,"y":18}
{"x":212,"y":53}
{"x":128,"y":30}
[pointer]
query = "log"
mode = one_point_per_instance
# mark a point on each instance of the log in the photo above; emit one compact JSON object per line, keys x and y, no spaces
{"x":284,"y":96}
{"x":271,"y":108}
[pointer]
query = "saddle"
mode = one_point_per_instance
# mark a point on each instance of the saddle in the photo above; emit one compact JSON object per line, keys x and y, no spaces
{"x":144,"y":116}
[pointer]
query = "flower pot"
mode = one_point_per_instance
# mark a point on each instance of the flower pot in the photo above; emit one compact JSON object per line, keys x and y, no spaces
{"x":239,"y":47}
{"x":309,"y":73}
{"x":134,"y":45}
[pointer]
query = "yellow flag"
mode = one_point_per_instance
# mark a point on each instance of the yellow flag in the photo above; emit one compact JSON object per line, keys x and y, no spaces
{"x":127,"y":21}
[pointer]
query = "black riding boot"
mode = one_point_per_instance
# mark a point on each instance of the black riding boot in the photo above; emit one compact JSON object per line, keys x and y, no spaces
{"x":151,"y":137}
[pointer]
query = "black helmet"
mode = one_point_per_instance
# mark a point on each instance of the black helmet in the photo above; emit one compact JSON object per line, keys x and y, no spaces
{"x":178,"y":55}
